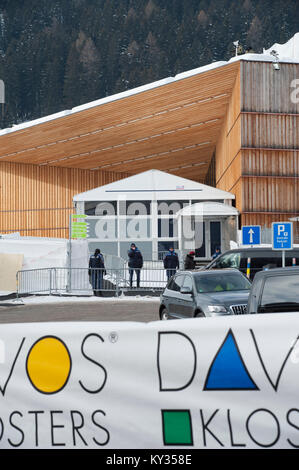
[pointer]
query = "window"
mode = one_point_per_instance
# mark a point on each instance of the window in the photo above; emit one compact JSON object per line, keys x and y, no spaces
{"x":170,"y":207}
{"x":281,"y":290}
{"x":218,"y":282}
{"x":188,"y":283}
{"x":231,"y":260}
{"x":100,"y":208}
{"x":167,"y":228}
{"x":134,"y":208}
{"x":176,"y":283}
{"x":258,"y":262}
{"x":290,"y":255}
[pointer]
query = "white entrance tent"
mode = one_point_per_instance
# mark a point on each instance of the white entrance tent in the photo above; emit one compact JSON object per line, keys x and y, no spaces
{"x":212,"y":224}
{"x":142,"y":209}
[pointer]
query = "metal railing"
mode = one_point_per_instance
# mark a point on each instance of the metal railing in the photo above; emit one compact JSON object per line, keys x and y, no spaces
{"x":85,"y":281}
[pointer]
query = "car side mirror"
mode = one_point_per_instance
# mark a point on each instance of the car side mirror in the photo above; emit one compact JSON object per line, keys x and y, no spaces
{"x":186,"y":290}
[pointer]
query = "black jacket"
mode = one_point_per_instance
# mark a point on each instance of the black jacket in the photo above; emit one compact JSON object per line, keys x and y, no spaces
{"x":96,"y":261}
{"x":189,"y":262}
{"x":171,"y":260}
{"x":135,"y":259}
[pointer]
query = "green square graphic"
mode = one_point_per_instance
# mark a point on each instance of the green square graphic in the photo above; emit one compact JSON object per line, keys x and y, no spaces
{"x":177,"y":427}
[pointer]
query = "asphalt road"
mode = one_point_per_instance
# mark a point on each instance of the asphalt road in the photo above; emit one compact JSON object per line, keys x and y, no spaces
{"x":140,"y":311}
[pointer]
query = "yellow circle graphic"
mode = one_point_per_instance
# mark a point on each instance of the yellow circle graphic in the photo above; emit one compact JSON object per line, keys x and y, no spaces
{"x":48,"y":365}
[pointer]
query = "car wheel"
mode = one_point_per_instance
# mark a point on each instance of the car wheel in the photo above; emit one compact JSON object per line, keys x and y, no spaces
{"x":164,"y":314}
{"x":199,"y":315}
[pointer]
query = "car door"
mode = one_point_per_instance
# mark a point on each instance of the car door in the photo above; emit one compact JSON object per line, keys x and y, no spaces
{"x":188,"y":300}
{"x":175,"y":296}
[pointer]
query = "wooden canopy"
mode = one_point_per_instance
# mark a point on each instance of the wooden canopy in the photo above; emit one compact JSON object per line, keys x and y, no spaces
{"x":173,"y":127}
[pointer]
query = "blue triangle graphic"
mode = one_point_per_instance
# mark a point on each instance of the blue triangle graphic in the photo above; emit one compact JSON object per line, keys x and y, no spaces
{"x":228,"y":371}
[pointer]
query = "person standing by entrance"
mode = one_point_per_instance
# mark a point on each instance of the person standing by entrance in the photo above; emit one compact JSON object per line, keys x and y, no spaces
{"x":135,"y":263}
{"x":189,"y":261}
{"x":216,"y":253}
{"x":171,"y":263}
{"x":96,"y":270}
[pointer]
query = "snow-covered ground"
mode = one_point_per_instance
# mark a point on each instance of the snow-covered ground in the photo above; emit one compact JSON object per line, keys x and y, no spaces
{"x":55,"y":299}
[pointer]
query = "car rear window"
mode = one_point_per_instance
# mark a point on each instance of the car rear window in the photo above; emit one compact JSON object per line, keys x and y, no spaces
{"x":221,"y":282}
{"x":281,"y":290}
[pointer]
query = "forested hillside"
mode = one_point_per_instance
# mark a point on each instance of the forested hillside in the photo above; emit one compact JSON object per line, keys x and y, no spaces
{"x":61,"y":53}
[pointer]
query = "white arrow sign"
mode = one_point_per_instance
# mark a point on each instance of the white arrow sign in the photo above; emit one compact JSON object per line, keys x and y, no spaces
{"x":251,"y":234}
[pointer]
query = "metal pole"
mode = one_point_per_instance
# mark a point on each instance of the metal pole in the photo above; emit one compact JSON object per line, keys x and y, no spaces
{"x":50,"y":281}
{"x":68,"y":289}
{"x":117,"y":281}
{"x":248,"y":268}
{"x":17,"y":283}
{"x":283,"y":259}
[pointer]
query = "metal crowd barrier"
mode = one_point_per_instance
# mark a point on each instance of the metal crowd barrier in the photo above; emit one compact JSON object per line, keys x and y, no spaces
{"x":78,"y":281}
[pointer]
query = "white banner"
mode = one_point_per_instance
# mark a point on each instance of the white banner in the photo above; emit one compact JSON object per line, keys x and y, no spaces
{"x":218,"y":383}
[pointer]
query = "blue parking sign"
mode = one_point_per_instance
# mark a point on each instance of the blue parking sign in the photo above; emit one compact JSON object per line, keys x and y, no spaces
{"x":282,"y":235}
{"x":251,"y":235}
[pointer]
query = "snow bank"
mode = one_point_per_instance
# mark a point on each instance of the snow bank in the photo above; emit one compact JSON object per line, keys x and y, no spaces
{"x":55,"y":299}
{"x":40,"y":253}
{"x":46,"y":252}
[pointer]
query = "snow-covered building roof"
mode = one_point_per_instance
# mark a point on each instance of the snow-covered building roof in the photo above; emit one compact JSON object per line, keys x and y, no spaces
{"x":172,"y":124}
{"x":288,"y":52}
{"x":153,"y":184}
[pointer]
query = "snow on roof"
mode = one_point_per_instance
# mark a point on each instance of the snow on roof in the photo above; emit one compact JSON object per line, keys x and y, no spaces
{"x":208,"y":208}
{"x":288,"y":52}
{"x":153,"y":182}
{"x":24,"y":125}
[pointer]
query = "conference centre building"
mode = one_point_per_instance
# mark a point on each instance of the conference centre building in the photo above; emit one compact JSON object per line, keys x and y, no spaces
{"x":229,"y":129}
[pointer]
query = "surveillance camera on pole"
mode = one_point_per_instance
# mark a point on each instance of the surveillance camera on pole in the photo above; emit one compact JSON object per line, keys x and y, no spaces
{"x":236,"y":44}
{"x":276,"y":60}
{"x":275,"y":54}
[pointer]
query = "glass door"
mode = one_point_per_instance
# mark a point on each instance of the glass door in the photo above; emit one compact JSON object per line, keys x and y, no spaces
{"x":200,"y":240}
{"x":215,"y":236}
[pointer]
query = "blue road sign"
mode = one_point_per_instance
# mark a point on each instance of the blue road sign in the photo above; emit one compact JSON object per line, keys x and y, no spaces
{"x":282,"y":235}
{"x":251,"y":235}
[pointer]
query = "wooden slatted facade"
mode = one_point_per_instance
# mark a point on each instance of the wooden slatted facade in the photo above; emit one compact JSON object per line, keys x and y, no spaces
{"x":37,"y":200}
{"x":234,"y":126}
{"x":260,"y":164}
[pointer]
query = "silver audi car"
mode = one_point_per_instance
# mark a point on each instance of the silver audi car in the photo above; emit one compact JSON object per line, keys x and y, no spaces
{"x":205,"y":294}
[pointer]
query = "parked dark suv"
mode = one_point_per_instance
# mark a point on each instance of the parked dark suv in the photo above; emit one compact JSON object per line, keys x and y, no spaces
{"x":260,"y":259}
{"x":205,"y":294}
